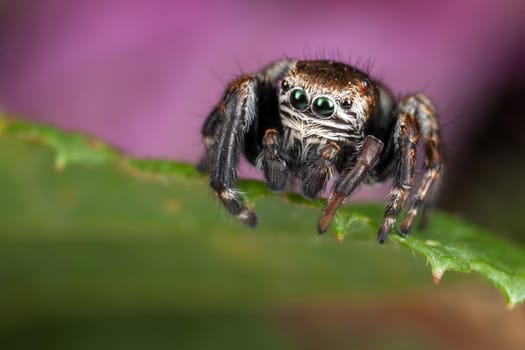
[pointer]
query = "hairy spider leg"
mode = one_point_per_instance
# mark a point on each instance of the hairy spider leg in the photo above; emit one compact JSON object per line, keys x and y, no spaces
{"x":234,"y":126}
{"x":236,"y":113}
{"x":366,"y":159}
{"x":209,"y":135}
{"x":248,"y":120}
{"x":427,"y":119}
{"x":406,"y":136}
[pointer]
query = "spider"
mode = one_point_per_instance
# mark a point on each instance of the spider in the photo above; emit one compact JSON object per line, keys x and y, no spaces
{"x":314,"y":120}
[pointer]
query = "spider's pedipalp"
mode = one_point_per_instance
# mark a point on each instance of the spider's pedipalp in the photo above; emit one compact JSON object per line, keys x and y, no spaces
{"x":274,"y":167}
{"x":316,"y":175}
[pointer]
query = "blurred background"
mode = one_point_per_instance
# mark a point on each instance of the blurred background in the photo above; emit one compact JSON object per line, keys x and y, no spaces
{"x":142,"y":75}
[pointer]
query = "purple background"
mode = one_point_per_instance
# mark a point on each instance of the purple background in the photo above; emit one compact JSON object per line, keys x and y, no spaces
{"x":143,"y":74}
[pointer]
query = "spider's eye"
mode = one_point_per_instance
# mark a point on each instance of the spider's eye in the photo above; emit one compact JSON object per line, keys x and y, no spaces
{"x":299,"y":99}
{"x":323,"y":106}
{"x":285,"y":85}
{"x":346,"y":104}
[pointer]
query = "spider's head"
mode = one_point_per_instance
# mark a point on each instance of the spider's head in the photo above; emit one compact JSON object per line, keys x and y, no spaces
{"x":327,"y":92}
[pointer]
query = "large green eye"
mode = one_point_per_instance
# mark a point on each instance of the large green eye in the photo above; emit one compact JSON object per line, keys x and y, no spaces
{"x":323,"y":106}
{"x":299,"y":99}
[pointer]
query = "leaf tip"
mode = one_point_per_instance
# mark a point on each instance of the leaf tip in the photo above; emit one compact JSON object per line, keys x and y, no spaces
{"x":437,"y":274}
{"x":510,"y":306}
{"x":60,"y":164}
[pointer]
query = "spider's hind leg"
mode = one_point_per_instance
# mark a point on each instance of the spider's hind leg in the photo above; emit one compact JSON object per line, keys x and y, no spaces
{"x":416,"y":115}
{"x":427,"y":119}
{"x":406,"y":137}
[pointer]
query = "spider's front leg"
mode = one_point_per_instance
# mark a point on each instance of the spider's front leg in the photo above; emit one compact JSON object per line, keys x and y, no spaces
{"x":209,"y":137}
{"x":366,"y":159}
{"x":224,"y":136}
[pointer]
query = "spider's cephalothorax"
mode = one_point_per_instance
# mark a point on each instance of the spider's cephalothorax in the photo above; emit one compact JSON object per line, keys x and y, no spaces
{"x":313,"y":120}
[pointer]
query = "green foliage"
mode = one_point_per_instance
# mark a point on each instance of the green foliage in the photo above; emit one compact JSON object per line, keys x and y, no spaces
{"x":174,"y":204}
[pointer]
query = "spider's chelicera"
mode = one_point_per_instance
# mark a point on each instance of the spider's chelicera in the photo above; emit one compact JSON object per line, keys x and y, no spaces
{"x":314,"y":120}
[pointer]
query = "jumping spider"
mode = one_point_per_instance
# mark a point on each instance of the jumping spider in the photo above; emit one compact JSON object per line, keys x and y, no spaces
{"x":313,"y":120}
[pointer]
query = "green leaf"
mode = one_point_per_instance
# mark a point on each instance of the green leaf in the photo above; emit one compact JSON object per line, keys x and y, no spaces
{"x":69,"y":147}
{"x":177,"y":202}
